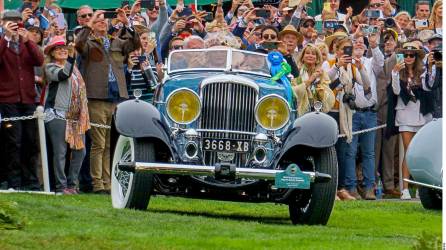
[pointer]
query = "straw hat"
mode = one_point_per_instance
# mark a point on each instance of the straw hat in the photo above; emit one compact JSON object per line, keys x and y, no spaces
{"x":54,"y":42}
{"x":289,"y":29}
{"x":412,"y":47}
{"x":337,"y":35}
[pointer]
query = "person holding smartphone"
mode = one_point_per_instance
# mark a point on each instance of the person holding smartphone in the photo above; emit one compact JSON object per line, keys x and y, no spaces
{"x":102,"y":67}
{"x":18,"y":55}
{"x":155,"y":17}
{"x":411,"y":83}
{"x":66,"y":99}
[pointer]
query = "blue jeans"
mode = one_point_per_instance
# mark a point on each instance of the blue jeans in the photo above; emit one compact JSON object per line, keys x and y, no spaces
{"x":361,"y":121}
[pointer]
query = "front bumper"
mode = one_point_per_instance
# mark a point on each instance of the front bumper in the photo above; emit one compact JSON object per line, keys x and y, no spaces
{"x":179,"y":169}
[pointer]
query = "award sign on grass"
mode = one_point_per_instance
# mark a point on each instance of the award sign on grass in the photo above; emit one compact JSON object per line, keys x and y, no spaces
{"x":292,"y":177}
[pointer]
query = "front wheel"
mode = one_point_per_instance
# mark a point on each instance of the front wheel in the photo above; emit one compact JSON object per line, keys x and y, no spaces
{"x":131,"y":190}
{"x":314,"y":206}
{"x":430,"y":198}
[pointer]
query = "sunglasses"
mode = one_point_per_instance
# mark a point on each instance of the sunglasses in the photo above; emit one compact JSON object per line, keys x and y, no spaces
{"x":85,"y":15}
{"x":410,"y":55}
{"x":308,"y":25}
{"x":375,"y":5}
{"x":177,"y":47}
{"x":155,"y":8}
{"x":269,"y":36}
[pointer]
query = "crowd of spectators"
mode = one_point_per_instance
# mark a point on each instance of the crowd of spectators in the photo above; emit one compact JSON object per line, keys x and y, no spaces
{"x":380,"y":66}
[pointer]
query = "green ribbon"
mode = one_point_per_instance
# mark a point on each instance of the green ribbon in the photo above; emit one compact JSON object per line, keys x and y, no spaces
{"x":285,"y":69}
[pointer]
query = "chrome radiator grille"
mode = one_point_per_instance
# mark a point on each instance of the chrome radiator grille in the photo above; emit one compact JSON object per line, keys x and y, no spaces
{"x":227,"y":106}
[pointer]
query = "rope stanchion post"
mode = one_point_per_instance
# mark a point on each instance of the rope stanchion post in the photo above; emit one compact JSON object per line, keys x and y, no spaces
{"x":43,"y":153}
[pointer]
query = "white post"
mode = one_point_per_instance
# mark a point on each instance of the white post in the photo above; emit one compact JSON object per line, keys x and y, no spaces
{"x":43,"y":153}
{"x":401,"y":158}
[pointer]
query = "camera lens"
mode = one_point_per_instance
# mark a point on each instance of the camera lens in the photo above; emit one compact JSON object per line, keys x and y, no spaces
{"x":389,"y":23}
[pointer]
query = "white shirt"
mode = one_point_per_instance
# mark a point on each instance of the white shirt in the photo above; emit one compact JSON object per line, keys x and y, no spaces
{"x":361,"y":100}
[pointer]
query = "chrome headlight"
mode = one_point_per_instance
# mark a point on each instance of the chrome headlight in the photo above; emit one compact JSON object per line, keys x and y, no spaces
{"x":183,"y":106}
{"x":272,"y":112}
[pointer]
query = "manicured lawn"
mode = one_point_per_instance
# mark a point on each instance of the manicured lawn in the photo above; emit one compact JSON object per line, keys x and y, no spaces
{"x":89,"y":222}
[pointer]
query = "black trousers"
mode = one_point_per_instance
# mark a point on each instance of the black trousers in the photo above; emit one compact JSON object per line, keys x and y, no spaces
{"x":19,"y":148}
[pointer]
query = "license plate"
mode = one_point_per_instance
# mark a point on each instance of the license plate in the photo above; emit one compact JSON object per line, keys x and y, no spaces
{"x":226,"y":145}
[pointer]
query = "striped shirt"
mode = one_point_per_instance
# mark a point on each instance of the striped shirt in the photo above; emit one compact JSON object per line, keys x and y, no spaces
{"x":136,"y":80}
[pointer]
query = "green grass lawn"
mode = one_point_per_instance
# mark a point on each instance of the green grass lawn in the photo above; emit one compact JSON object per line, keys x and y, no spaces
{"x":89,"y":222}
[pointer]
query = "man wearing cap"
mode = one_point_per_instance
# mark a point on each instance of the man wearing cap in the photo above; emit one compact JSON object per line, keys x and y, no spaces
{"x":306,"y":28}
{"x":102,"y":69}
{"x":18,"y":57}
{"x":385,"y":141}
{"x":291,"y":38}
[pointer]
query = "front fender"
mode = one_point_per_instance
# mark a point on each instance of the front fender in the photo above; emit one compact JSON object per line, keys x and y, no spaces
{"x":317,"y":130}
{"x":139,"y":119}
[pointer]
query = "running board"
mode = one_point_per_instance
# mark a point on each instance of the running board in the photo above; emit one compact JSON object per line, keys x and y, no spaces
{"x":180,"y":169}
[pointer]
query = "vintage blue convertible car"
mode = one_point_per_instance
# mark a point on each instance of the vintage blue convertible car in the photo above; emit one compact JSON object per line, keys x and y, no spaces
{"x":220,"y":128}
{"x":424,"y":159}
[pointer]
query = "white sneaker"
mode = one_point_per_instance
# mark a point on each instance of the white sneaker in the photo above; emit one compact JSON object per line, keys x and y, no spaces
{"x":405,"y":195}
{"x":417,"y":194}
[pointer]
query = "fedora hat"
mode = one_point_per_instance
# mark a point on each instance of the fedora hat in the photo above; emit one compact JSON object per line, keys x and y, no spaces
{"x":289,"y":29}
{"x":330,"y":39}
{"x":412,"y":47}
{"x":54,"y":42}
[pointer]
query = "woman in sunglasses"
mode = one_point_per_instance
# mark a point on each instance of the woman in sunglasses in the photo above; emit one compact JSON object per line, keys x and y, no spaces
{"x":410,"y":83}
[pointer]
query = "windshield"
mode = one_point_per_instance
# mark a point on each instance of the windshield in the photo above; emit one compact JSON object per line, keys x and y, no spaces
{"x":218,"y":59}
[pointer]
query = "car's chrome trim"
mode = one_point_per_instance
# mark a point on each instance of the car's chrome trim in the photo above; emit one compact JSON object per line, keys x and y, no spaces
{"x":226,"y":131}
{"x":230,"y":78}
{"x":181,"y":169}
{"x":423,"y":184}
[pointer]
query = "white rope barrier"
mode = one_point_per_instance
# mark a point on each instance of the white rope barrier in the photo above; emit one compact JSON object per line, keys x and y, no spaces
{"x":365,"y":130}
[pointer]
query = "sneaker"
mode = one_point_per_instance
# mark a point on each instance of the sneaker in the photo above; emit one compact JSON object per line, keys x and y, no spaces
{"x":67,"y":191}
{"x":405,"y":195}
{"x":417,"y":194}
{"x":369,"y":194}
{"x":73,"y":190}
{"x":344,"y":195}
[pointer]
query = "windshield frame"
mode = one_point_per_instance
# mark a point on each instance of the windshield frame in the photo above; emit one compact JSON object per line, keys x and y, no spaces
{"x":228,"y":67}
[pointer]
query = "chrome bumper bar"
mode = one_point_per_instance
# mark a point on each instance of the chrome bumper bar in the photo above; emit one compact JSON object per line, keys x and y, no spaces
{"x":179,"y":169}
{"x":423,"y":184}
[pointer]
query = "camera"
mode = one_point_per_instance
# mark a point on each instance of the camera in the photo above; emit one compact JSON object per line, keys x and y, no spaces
{"x":389,"y":23}
{"x":349,"y":99}
{"x":421,"y":24}
{"x":438,"y":55}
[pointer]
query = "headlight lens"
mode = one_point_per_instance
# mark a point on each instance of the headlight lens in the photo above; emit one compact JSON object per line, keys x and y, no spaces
{"x":272,"y":112}
{"x":183,"y":106}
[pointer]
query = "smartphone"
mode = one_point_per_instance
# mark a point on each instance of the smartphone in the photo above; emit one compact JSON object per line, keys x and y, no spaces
{"x":330,"y":24}
{"x":263,"y":13}
{"x":419,"y":24}
{"x":110,"y":14}
{"x":27,"y":5}
{"x":148,"y":4}
{"x":270,"y":45}
{"x":69,"y":36}
{"x":20,"y":25}
{"x":319,"y":26}
{"x":373,"y":13}
{"x":60,"y":21}
{"x":186,"y":12}
{"x":399,"y":58}
{"x":124,"y":3}
{"x":142,"y":59}
{"x":348,"y":50}
{"x":44,"y":23}
{"x":209,"y":17}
